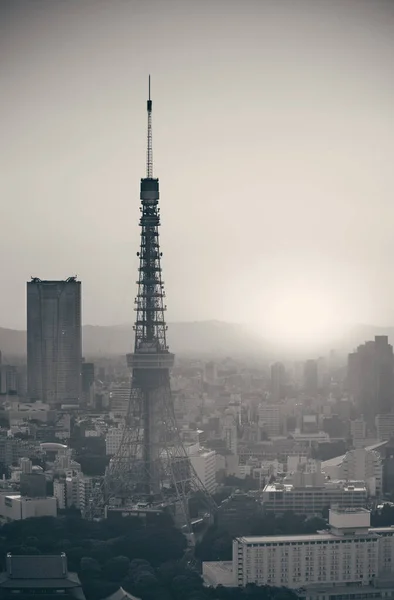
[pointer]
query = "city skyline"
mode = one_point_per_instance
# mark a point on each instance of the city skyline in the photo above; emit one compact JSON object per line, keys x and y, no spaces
{"x":283,"y":114}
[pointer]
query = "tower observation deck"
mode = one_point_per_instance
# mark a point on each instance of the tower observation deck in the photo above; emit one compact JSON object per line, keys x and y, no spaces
{"x":151,"y":467}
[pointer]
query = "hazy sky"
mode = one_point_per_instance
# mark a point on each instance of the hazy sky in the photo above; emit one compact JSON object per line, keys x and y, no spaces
{"x":273,"y":141}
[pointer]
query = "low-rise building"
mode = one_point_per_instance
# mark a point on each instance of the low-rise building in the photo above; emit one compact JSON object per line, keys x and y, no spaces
{"x":350,"y":553}
{"x":14,"y":507}
{"x":39,"y":576}
{"x":308,"y":500}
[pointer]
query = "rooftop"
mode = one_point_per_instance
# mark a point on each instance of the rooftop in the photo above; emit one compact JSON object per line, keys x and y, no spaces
{"x":42,"y":572}
{"x":37,"y":567}
{"x":316,"y":537}
{"x":348,"y":486}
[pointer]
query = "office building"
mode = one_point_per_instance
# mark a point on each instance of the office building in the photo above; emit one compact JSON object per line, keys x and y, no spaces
{"x":14,"y":507}
{"x":384,"y":427}
{"x":119,"y":400}
{"x":60,"y":493}
{"x":313,"y":499}
{"x":278,"y":381}
{"x":87,"y":383}
{"x":230,"y":431}
{"x":271,"y":420}
{"x":370,"y":377}
{"x":204,"y":463}
{"x":363,"y":465}
{"x":54,"y":341}
{"x":113,"y":440}
{"x":358,"y":432}
{"x":8,"y":380}
{"x":26,"y":465}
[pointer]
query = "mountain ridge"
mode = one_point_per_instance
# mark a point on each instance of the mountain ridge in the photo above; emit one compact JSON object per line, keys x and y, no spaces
{"x":197,"y":337}
{"x":201,"y":337}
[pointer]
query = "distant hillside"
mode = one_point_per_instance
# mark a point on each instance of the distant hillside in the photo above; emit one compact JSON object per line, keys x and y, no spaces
{"x":200,"y":337}
{"x":208,"y":337}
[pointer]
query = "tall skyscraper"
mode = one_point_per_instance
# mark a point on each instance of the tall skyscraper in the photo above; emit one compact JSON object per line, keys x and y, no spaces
{"x":54,"y":340}
{"x":370,"y":377}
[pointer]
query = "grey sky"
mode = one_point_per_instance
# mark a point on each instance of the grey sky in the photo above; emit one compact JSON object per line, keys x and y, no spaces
{"x":273,"y":141}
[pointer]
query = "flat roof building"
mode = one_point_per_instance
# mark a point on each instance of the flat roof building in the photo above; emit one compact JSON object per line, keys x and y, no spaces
{"x":54,"y":341}
{"x":309,"y":500}
{"x":349,"y":553}
{"x":39,"y":576}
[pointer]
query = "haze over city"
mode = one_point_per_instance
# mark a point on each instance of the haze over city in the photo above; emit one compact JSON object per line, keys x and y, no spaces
{"x":273,"y":140}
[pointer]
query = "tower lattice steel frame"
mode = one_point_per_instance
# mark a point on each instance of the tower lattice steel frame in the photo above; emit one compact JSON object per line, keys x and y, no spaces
{"x":151,"y":465}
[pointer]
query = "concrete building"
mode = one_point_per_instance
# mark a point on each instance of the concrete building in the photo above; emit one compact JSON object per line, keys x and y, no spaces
{"x":348,"y":561}
{"x":26,"y":465}
{"x":54,"y":341}
{"x":113,"y":440}
{"x":87,"y":383}
{"x":8,"y":380}
{"x":384,"y":426}
{"x":348,"y":553}
{"x":119,"y":400}
{"x":230,"y":431}
{"x":19,"y":412}
{"x":363,"y":465}
{"x":204,"y":463}
{"x":358,"y":432}
{"x":370,"y":377}
{"x":271,"y":421}
{"x":60,"y":493}
{"x":218,"y":573}
{"x":14,"y":507}
{"x":312,"y":500}
{"x":278,"y":381}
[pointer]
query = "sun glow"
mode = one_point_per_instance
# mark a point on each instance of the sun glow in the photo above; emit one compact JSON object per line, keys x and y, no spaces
{"x":302,"y":317}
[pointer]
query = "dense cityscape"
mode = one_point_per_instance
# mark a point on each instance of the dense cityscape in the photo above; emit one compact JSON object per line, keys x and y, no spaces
{"x":195,"y":477}
{"x":237,"y":467}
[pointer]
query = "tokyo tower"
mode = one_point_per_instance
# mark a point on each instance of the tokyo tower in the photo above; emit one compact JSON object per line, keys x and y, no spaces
{"x":152,"y":467}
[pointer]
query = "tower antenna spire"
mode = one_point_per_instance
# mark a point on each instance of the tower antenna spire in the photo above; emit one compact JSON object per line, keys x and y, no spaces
{"x":149,"y":154}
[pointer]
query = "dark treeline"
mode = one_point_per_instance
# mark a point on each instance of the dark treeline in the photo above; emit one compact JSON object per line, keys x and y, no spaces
{"x":217,"y":541}
{"x":148,"y":560}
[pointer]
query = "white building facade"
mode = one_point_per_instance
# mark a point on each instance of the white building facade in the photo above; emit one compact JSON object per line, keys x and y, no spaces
{"x":347,"y":554}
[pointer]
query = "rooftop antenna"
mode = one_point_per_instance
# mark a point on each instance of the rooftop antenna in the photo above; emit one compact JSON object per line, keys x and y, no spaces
{"x":149,"y":154}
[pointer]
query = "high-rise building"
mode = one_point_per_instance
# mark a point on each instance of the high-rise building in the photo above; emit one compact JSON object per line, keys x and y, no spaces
{"x":230,"y":431}
{"x":54,"y":340}
{"x":370,"y":377}
{"x":87,"y":382}
{"x":384,"y":427}
{"x":204,"y":464}
{"x":278,"y":381}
